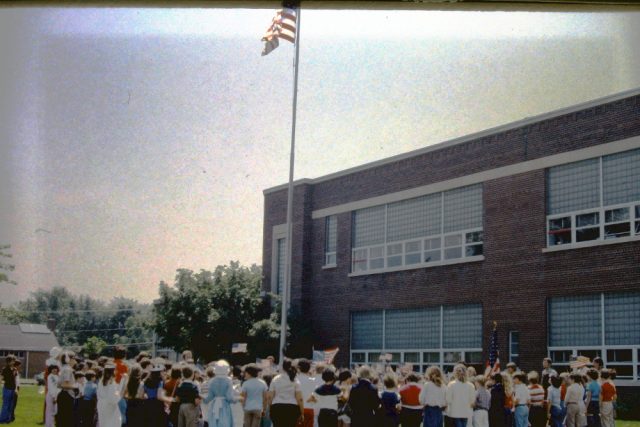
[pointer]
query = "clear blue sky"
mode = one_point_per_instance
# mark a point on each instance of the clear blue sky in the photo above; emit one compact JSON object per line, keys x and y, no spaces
{"x":141,"y":140}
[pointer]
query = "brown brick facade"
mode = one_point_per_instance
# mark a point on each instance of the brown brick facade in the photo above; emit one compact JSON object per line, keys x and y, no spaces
{"x":514,"y":280}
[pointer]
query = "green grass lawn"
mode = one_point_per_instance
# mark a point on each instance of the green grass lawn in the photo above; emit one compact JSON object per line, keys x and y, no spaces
{"x":29,"y":410}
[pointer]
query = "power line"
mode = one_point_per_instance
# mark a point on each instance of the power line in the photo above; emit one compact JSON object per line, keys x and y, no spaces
{"x":105,"y":329}
{"x":106,"y":310}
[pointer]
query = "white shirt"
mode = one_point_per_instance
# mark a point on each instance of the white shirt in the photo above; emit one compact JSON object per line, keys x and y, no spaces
{"x":284,"y":389}
{"x":574,"y":393}
{"x":521,"y":394}
{"x":52,"y":385}
{"x":433,"y":395}
{"x":460,"y":398}
{"x":307,"y":386}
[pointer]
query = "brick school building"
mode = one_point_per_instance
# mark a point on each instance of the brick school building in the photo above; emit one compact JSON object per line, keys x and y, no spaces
{"x":534,"y":224}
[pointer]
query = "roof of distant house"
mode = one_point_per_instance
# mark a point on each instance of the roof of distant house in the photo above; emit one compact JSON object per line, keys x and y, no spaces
{"x":27,"y":337}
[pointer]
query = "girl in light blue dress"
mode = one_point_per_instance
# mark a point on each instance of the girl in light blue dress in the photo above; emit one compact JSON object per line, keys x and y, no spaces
{"x":221,"y":396}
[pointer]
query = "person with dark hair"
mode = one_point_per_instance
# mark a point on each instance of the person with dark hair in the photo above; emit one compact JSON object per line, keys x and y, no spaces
{"x":537,"y":413}
{"x":9,"y":389}
{"x":254,"y":396}
{"x":345,"y":381}
{"x":607,"y":397}
{"x":170,"y":388}
{"x":155,"y":398}
{"x":285,"y":396}
{"x":108,"y":397}
{"x":67,"y":398}
{"x":188,"y":394}
{"x":547,"y":373}
{"x":134,"y":395}
{"x":87,"y":405}
{"x":521,"y":400}
{"x":307,"y":386}
{"x":52,"y":394}
{"x":16,"y":368}
{"x":592,"y":402}
{"x":598,"y":364}
{"x":555,"y":414}
{"x":411,"y":412}
{"x":363,"y":400}
{"x":119,"y":353}
{"x":326,"y":398}
{"x":390,"y":402}
{"x":496,"y":409}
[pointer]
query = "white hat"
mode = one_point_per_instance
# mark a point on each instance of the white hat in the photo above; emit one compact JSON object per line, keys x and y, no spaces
{"x":221,"y":368}
{"x":55,"y":352}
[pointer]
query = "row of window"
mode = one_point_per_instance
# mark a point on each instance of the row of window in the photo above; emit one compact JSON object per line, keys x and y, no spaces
{"x":606,"y":325}
{"x":594,"y":199}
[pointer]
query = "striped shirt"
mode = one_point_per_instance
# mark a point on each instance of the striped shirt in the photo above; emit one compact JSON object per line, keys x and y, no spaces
{"x":536,"y":393}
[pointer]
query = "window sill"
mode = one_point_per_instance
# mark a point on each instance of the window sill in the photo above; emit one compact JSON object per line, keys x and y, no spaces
{"x":590,"y":244}
{"x":329,"y":266}
{"x":418,"y":266}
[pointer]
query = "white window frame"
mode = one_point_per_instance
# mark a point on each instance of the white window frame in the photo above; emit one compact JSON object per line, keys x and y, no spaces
{"x":279,"y":232}
{"x":601,"y":240}
{"x":329,"y":255}
{"x":441,"y":350}
{"x":356,"y":253}
{"x":511,"y":355}
{"x":602,"y":348}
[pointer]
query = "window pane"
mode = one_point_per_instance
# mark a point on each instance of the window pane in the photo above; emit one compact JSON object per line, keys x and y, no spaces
{"x":473,"y":357}
{"x":619,"y":356}
{"x":473,"y":250}
{"x":591,"y":354}
{"x":417,"y":217}
{"x":394,"y":249}
{"x":376,"y":252}
{"x":621,"y":177}
{"x":366,"y":330}
{"x":431,"y":357}
{"x":573,"y":187}
{"x":588,"y":219}
{"x":462,"y":326}
{"x":394,"y":261}
{"x":623,"y":371}
{"x":358,"y":357}
{"x":614,"y":231}
{"x":412,"y":247}
{"x":514,"y":343}
{"x":331,"y":233}
{"x":463,"y":208}
{"x":616,"y":215}
{"x":452,"y":356}
{"x":432,"y":243}
{"x":574,"y":321}
{"x":622,"y":318}
{"x":454,"y":240}
{"x":359,"y":261}
{"x":561,"y":356}
{"x":373,"y":357}
{"x":377,"y":263}
{"x":412,"y":328}
{"x":453,"y":253}
{"x":412,"y":357}
{"x":331,"y":259}
{"x":585,"y":234}
{"x":412,"y":259}
{"x":281,"y":249}
{"x":476,"y":236}
{"x":432,"y":256}
{"x":368,"y":226}
{"x":559,"y":231}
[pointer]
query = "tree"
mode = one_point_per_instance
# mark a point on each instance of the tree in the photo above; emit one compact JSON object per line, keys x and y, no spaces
{"x":4,"y":266}
{"x":207,"y":312}
{"x":93,"y":347}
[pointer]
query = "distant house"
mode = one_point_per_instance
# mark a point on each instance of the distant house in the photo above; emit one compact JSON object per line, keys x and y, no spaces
{"x":30,"y":343}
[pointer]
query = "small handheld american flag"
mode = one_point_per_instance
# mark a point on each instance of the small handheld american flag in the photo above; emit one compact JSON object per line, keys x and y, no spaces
{"x":493,"y":364}
{"x":283,"y":26}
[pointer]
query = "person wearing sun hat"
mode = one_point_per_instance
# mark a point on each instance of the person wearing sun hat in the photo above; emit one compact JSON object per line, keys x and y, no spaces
{"x":221,"y":395}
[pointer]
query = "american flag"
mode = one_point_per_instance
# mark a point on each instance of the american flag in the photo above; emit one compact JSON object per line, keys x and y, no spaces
{"x":239,"y":347}
{"x":493,"y":364}
{"x":283,"y":26}
{"x":325,"y":356}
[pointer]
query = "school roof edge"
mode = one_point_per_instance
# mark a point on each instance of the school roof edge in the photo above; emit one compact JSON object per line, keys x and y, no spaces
{"x":465,"y":138}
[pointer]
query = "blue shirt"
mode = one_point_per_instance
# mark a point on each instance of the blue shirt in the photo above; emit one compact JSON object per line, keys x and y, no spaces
{"x":152,"y":393}
{"x":90,"y":390}
{"x":594,"y":388}
{"x":254,"y":388}
{"x":553,"y":396}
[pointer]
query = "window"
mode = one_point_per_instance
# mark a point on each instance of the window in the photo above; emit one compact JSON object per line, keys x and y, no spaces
{"x":441,"y":335}
{"x":603,"y":325}
{"x":330,"y":239}
{"x":418,"y":232}
{"x":18,"y":354}
{"x":281,"y":264}
{"x":514,"y":347}
{"x":594,"y":199}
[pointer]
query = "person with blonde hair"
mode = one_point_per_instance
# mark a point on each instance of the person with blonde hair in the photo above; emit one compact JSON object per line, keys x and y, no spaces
{"x":460,"y":397}
{"x":222,"y":395}
{"x":433,"y":397}
{"x":363,"y":400}
{"x":507,"y":382}
{"x":108,"y":397}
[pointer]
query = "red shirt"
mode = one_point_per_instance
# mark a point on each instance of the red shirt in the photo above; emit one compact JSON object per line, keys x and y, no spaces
{"x":607,"y":391}
{"x":563,"y":391}
{"x":121,"y":369}
{"x":409,"y":395}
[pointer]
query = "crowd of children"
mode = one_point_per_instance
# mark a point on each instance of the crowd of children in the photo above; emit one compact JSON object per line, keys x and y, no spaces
{"x":158,"y":393}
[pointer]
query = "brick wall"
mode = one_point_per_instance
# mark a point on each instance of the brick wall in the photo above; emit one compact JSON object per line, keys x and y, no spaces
{"x":516,"y":278}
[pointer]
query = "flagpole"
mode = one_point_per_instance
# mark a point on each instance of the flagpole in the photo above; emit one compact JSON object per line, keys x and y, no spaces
{"x":286,"y":291}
